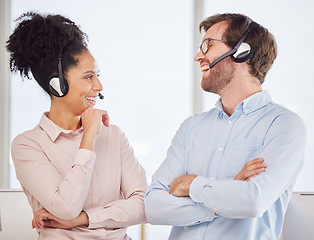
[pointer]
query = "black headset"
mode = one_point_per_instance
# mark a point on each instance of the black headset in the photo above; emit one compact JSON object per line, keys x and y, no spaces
{"x":242,"y":50}
{"x":58,"y":85}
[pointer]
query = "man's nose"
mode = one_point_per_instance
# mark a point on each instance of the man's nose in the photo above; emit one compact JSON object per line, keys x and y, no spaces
{"x":199,"y":56}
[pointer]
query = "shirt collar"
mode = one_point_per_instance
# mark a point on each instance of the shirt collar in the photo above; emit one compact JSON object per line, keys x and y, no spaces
{"x":250,"y":104}
{"x":52,"y":129}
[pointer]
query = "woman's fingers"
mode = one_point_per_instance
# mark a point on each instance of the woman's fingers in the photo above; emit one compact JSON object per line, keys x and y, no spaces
{"x":92,"y":118}
{"x":40,"y":216}
{"x":105,"y":118}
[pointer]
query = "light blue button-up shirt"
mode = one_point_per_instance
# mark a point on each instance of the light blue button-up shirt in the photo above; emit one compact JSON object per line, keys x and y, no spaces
{"x":215,"y":147}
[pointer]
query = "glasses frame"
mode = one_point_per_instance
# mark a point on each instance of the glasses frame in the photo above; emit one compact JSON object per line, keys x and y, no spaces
{"x":208,"y":40}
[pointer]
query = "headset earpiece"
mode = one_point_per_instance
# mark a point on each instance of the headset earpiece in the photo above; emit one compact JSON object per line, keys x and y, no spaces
{"x":58,"y":88}
{"x":58,"y":85}
{"x":243,"y":49}
{"x":243,"y":53}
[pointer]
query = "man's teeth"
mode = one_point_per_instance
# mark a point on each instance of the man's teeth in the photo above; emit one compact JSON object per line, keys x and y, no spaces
{"x":91,"y":98}
{"x":205,"y":68}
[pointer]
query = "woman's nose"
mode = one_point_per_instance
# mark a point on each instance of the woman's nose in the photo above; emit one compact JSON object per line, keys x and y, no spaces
{"x":97,"y":85}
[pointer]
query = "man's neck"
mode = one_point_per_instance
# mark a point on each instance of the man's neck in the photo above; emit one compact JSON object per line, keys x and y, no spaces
{"x":231,"y":96}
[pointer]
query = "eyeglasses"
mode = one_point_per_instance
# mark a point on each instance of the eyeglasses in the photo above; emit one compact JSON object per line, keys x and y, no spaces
{"x":206,"y":44}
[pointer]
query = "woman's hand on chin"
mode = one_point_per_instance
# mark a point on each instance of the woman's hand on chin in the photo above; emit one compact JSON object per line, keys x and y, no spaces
{"x":91,"y":122}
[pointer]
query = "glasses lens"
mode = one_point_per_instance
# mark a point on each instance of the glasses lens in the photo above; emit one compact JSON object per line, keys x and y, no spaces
{"x":204,"y":46}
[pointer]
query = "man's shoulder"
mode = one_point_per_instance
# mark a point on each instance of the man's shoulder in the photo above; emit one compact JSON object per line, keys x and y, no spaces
{"x":282,"y":115}
{"x":198,"y":118}
{"x":280,"y":110}
{"x":202,"y":115}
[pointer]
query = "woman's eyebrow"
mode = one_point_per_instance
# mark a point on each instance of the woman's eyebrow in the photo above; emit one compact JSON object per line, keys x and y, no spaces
{"x":91,"y":71}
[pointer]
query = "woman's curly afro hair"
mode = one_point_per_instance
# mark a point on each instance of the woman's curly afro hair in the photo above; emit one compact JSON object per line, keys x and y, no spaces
{"x":38,"y":41}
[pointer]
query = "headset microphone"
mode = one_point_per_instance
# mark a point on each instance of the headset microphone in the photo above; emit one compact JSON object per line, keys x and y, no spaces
{"x":241,"y":52}
{"x":100,"y":96}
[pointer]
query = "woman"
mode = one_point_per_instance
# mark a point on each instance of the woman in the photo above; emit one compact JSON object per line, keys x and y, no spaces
{"x":78,"y":172}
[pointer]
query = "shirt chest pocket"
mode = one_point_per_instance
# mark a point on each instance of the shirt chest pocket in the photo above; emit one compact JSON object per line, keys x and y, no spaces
{"x":238,"y":153}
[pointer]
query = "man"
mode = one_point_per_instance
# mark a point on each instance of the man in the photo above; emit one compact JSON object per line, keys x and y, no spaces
{"x":197,"y":188}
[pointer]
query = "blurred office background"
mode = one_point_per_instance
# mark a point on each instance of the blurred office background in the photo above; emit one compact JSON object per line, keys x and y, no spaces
{"x":145,"y":51}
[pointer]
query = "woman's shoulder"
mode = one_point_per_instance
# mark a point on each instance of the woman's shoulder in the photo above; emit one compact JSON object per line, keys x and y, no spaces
{"x":112,"y":137}
{"x":30,"y":137}
{"x":112,"y":129}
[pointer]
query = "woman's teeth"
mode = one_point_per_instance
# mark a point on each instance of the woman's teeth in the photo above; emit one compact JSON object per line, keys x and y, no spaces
{"x":91,"y":98}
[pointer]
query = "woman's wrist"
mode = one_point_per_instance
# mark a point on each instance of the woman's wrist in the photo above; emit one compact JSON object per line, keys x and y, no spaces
{"x":88,"y":141}
{"x":81,"y":220}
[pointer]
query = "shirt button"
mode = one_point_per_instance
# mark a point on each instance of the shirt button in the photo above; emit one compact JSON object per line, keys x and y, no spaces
{"x":230,"y":122}
{"x":212,"y":178}
{"x":207,"y":218}
{"x":220,"y":149}
{"x":246,"y":110}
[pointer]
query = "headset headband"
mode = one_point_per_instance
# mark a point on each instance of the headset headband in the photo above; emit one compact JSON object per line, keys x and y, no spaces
{"x":235,"y":49}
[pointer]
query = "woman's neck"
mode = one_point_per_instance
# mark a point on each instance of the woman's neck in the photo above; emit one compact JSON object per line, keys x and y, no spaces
{"x":64,"y":119}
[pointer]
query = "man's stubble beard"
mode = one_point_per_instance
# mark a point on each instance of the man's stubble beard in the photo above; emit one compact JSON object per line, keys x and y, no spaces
{"x":220,"y":76}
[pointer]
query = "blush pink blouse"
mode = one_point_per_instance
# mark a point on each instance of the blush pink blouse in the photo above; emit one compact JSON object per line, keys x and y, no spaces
{"x":108,"y":184}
